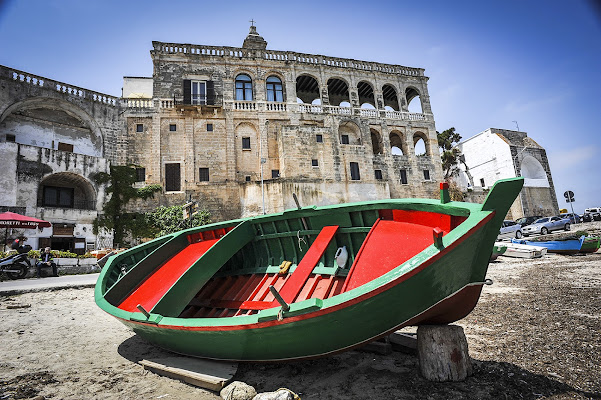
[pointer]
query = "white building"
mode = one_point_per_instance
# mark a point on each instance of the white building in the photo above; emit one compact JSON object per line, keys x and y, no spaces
{"x":497,"y":154}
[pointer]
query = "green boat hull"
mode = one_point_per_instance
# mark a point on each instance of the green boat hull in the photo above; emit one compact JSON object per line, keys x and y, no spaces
{"x":439,"y":285}
{"x":590,"y":244}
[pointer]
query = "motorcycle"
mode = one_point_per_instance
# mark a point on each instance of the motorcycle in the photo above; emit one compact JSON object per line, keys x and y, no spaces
{"x":16,"y":266}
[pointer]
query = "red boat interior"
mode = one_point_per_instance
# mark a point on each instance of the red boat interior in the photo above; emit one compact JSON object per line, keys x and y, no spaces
{"x":394,"y":237}
{"x":152,"y":289}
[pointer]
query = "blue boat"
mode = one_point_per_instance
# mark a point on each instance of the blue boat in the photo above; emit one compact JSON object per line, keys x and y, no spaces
{"x":570,"y":246}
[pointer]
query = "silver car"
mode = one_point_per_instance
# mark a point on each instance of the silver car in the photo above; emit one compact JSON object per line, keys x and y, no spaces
{"x":546,"y":225}
{"x":510,"y":228}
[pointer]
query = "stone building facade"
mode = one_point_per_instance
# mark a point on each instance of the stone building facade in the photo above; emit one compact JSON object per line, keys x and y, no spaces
{"x":238,"y":129}
{"x":499,"y":153}
{"x":330,"y":130}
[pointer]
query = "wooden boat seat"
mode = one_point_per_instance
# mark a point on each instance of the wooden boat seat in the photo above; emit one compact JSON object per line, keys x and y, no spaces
{"x":296,"y":281}
{"x":387,"y":245}
{"x":151,"y":290}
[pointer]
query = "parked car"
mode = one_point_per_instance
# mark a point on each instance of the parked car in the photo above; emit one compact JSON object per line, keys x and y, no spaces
{"x":525,"y":221}
{"x":586,"y":217}
{"x":511,"y":228}
{"x":574,"y":218}
{"x":546,"y":225}
{"x":595,"y":213}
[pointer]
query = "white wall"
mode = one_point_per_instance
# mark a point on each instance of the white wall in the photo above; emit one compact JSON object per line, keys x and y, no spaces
{"x":134,"y":86}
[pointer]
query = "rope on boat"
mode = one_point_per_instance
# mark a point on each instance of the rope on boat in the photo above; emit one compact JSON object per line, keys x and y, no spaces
{"x":300,"y":239}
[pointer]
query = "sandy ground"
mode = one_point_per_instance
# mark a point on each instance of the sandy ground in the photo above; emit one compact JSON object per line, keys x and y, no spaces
{"x":534,"y":334}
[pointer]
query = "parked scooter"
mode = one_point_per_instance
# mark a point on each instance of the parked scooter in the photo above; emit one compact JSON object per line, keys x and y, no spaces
{"x":17,"y":265}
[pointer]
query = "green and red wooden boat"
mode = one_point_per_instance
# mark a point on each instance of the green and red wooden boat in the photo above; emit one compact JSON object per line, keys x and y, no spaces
{"x":275,"y":287}
{"x":590,"y":244}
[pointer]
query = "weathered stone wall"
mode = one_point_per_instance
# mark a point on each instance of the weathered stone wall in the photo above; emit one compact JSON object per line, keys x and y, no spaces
{"x":283,"y":134}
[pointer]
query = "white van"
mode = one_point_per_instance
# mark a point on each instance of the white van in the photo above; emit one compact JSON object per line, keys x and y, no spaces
{"x":592,"y":210}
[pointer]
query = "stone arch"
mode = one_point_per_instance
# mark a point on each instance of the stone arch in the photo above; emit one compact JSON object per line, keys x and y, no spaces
{"x":397,"y":143}
{"x":420,"y":144}
{"x":247,"y":151}
{"x":376,"y":141}
{"x":414,"y":102}
{"x":37,"y":104}
{"x":533,"y":172}
{"x":349,"y":133}
{"x":338,"y":91}
{"x":391,"y":100}
{"x":365,"y":90}
{"x":307,"y":89}
{"x":66,"y":190}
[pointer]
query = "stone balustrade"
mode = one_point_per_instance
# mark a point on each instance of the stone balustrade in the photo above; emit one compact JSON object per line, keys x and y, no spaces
{"x":284,"y":56}
{"x":139,"y":103}
{"x":67,"y":89}
{"x":270,"y":106}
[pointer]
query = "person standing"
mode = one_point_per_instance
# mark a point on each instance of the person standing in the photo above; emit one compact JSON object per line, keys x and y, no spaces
{"x":45,"y":260}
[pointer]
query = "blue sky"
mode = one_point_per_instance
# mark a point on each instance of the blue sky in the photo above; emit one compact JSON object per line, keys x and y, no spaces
{"x":489,"y":63}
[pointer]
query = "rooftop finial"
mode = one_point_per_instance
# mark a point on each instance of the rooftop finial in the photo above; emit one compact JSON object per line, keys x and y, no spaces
{"x":254,"y":40}
{"x":253,"y":28}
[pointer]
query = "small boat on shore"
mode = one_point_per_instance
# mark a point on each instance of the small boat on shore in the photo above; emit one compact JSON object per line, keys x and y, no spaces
{"x":568,"y":246}
{"x":498,"y":250}
{"x":590,"y":244}
{"x":277,"y":287}
{"x":515,"y":250}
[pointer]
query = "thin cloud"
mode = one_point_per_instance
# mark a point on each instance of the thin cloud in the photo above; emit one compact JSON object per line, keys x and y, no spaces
{"x":532,"y":105}
{"x":572,"y":158}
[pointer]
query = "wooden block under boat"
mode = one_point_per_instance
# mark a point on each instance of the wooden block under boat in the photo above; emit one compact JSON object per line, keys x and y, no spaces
{"x":212,"y":375}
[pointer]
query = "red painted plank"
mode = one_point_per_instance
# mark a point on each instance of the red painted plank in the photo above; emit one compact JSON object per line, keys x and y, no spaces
{"x":388,"y":245}
{"x":298,"y":278}
{"x":323,"y":287}
{"x":427,"y":218}
{"x":156,"y":285}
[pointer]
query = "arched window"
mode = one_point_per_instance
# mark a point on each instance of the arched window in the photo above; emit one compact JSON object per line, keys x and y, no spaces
{"x":244,"y":87}
{"x":414,"y":103}
{"x":274,"y":89}
{"x":397,"y":147}
{"x":420,"y":146}
{"x":307,"y":90}
{"x":376,"y":143}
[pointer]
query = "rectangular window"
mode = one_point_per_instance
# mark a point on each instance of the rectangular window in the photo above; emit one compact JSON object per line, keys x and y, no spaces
{"x":355,"y":172}
{"x":203,"y":174}
{"x":209,"y":127}
{"x":172,"y":177}
{"x":172,"y":127}
{"x":378,"y":173}
{"x":245,"y":143}
{"x":314,"y":163}
{"x":247,"y":178}
{"x":11,"y":138}
{"x":344,"y":139}
{"x":139,"y":127}
{"x":275,"y":173}
{"x":426,"y":175}
{"x":140,"y":174}
{"x":65,"y":147}
{"x":58,"y":197}
{"x":404,"y":176}
{"x":482,"y":182}
{"x":198,"y":92}
{"x":319,"y":138}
